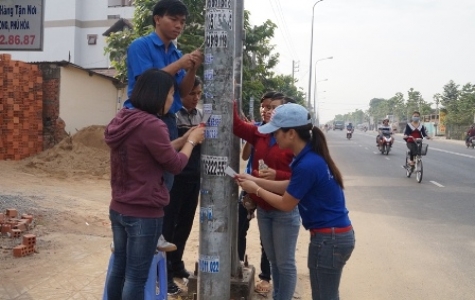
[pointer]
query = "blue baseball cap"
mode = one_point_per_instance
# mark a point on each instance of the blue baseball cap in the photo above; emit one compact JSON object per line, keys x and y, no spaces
{"x":288,"y":115}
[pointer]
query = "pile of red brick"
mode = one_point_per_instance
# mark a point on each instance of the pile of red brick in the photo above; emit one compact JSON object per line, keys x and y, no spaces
{"x":21,"y":109}
{"x":14,"y":226}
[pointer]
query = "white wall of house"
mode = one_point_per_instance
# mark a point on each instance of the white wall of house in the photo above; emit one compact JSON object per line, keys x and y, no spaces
{"x":66,"y":27}
{"x":85,"y":100}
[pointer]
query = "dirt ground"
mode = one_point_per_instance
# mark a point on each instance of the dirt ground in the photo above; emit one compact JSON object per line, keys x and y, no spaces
{"x":67,"y":190}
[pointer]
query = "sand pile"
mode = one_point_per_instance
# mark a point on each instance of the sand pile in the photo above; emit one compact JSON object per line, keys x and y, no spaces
{"x":83,"y":154}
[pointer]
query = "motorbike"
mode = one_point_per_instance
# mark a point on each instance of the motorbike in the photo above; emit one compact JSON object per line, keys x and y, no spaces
{"x":470,"y":142}
{"x":349,"y":133}
{"x":385,"y":144}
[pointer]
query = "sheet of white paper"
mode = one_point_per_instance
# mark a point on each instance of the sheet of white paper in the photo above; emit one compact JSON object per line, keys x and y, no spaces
{"x":229,"y":171}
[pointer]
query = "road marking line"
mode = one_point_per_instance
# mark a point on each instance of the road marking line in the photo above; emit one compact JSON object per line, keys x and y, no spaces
{"x":451,"y":152}
{"x":387,"y":158}
{"x":437,"y":184}
{"x":366,"y":148}
{"x":375,"y":152}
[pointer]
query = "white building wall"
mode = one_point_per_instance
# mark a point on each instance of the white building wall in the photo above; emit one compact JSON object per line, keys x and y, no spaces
{"x":85,"y":100}
{"x":67,"y":25}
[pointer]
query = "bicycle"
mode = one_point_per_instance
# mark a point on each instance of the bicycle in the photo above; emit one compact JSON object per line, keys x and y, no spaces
{"x":417,"y":166}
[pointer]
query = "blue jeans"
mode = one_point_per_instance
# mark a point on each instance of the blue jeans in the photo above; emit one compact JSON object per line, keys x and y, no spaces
{"x":327,"y":255}
{"x":135,"y":241}
{"x":279,"y":232}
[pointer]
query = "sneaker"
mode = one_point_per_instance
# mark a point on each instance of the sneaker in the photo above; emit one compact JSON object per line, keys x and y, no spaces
{"x":183,"y":273}
{"x":165,"y":246}
{"x":173,"y":289}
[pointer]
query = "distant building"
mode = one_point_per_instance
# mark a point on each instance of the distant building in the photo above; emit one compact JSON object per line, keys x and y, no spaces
{"x":73,"y":31}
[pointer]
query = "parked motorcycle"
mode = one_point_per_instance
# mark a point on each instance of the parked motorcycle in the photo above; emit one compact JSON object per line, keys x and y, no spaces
{"x":385,"y":144}
{"x":349,"y":133}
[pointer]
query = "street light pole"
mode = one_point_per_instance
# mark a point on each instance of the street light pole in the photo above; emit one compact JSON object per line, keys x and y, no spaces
{"x":317,"y":120}
{"x":311,"y":54}
{"x":315,"y":68}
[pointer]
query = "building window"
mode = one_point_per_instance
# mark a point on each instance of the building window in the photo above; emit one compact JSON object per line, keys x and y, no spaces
{"x":92,"y":39}
{"x":115,"y":3}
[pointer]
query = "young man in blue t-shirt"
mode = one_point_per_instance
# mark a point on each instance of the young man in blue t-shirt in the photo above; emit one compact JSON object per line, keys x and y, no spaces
{"x":157,"y":50}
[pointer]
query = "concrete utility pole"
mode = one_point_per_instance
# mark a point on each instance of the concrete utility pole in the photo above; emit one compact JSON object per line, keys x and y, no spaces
{"x":239,"y":36}
{"x":218,"y":191}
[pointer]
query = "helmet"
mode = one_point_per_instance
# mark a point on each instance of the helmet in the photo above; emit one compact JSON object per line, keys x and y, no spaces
{"x":350,"y":124}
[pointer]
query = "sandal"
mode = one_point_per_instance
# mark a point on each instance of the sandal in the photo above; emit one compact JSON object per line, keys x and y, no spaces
{"x":263,"y":287}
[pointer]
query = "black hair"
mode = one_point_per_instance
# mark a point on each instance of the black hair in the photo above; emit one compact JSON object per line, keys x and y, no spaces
{"x":315,"y":136}
{"x":278,"y":96}
{"x":268,"y":95}
{"x":416,"y":112}
{"x":197,"y":81}
{"x":170,"y":8}
{"x":289,"y":100}
{"x":151,"y":90}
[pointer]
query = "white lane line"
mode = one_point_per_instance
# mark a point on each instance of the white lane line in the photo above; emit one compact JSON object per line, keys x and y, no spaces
{"x":387,"y":158}
{"x":375,"y":152}
{"x":437,"y":184}
{"x":451,"y":152}
{"x":366,"y":148}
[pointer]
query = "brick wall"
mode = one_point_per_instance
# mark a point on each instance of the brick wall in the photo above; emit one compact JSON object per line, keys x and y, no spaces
{"x":53,"y":126}
{"x":21,"y":108}
{"x":29,"y":108}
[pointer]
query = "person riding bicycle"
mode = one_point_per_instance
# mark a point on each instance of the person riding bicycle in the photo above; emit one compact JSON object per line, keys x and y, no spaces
{"x":384,"y":129}
{"x":470,"y":135}
{"x":414,"y":130}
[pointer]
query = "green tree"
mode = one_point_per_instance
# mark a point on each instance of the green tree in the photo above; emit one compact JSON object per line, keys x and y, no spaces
{"x":449,"y":100}
{"x":466,"y":104}
{"x":378,"y":108}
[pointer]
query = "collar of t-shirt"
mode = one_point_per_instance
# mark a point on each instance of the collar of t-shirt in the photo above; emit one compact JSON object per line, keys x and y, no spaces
{"x":302,"y":153}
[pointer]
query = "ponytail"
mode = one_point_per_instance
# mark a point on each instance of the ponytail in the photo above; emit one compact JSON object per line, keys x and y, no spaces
{"x":319,"y":146}
{"x":318,"y":142}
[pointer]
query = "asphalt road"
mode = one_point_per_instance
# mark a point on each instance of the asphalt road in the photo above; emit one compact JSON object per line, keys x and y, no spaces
{"x":413,"y":240}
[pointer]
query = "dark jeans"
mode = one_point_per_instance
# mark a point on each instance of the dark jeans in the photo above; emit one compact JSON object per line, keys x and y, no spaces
{"x":413,"y":150}
{"x":242,"y":242}
{"x":327,"y":255}
{"x":135,"y":241}
{"x":170,"y":121}
{"x":178,"y":220}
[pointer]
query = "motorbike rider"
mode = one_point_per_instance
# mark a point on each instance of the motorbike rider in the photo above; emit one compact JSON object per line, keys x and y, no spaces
{"x":350,"y":127}
{"x":414,"y":130}
{"x":384,"y":129}
{"x":470,"y":135}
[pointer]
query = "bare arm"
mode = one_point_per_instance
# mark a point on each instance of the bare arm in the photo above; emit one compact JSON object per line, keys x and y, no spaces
{"x":246,"y":151}
{"x":259,"y":188}
{"x":178,"y":143}
{"x":277,"y":187}
{"x":283,"y":203}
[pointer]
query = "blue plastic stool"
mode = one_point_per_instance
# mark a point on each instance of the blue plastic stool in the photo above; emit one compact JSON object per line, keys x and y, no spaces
{"x":158,"y":270}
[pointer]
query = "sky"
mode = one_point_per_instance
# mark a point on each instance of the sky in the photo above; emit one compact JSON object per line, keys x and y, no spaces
{"x":379,"y":47}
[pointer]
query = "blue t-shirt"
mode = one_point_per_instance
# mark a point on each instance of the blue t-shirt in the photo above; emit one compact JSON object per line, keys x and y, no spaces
{"x":321,"y":199}
{"x":149,"y":52}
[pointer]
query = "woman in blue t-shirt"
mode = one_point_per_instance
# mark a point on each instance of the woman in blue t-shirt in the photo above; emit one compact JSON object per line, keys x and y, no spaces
{"x":316,"y":186}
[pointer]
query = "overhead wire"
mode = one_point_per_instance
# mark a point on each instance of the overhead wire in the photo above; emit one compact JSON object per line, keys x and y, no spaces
{"x":280,"y":25}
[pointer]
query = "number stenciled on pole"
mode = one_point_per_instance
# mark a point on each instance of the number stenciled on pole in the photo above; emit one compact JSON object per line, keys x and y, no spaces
{"x":214,"y":165}
{"x":217,"y":39}
{"x":209,"y":264}
{"x":220,"y":19}
{"x":218,"y":4}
